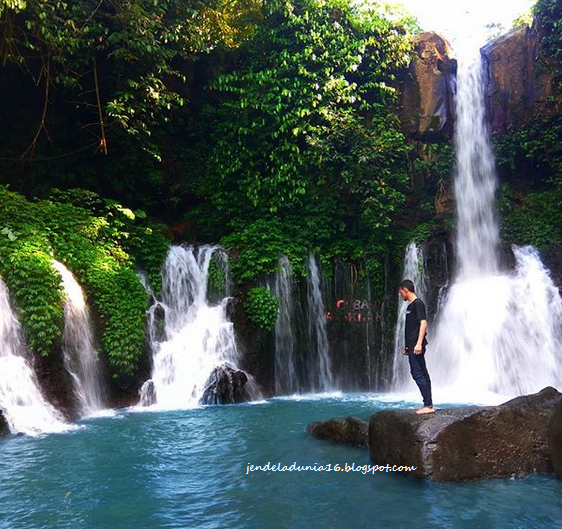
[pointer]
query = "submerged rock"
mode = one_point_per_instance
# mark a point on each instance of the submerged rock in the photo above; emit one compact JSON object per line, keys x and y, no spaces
{"x":555,"y":440}
{"x":427,"y":96}
{"x":350,"y":431}
{"x":469,"y":443}
{"x":226,"y":385}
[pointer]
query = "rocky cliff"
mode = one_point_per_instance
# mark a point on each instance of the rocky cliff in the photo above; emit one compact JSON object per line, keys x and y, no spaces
{"x":517,"y":87}
{"x":427,"y":94}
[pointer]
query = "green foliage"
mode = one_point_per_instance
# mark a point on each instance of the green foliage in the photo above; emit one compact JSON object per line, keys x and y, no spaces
{"x":536,"y":221}
{"x":217,"y":276}
{"x":36,"y":288}
{"x":534,"y":150}
{"x":421,"y":233}
{"x":523,"y":18}
{"x":14,"y":5}
{"x":97,"y":247}
{"x":530,"y":161}
{"x":294,"y":120}
{"x":434,"y":160}
{"x":308,"y":152}
{"x":141,"y":42}
{"x":256,"y":249}
{"x":261,"y":307}
{"x":549,"y":14}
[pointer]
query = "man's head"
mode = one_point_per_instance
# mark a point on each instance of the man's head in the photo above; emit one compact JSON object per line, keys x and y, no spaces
{"x":406,"y":289}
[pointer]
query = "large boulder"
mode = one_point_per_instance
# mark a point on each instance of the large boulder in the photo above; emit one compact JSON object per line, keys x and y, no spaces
{"x":428,"y":90}
{"x":226,"y":385}
{"x":548,"y":398}
{"x":555,"y":440}
{"x":516,"y":88}
{"x":468,"y":443}
{"x":350,"y":431}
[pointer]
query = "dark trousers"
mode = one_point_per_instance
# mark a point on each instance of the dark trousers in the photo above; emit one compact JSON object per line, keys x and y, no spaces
{"x":419,"y":373}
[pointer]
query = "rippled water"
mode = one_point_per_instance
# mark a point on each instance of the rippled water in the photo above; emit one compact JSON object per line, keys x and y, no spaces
{"x":187,"y":469}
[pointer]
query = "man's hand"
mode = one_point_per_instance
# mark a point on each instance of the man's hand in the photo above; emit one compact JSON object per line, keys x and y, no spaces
{"x":418,"y":349}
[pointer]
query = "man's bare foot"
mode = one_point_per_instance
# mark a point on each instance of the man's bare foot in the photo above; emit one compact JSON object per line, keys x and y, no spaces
{"x":425,"y":410}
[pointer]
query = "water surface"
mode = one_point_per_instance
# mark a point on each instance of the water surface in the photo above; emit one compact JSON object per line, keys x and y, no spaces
{"x":187,"y":469}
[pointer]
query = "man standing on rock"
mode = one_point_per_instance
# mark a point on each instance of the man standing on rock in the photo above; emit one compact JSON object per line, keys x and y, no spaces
{"x":416,"y":328}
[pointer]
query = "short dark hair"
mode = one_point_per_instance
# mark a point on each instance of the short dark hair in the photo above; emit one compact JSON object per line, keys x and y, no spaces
{"x":407,"y":284}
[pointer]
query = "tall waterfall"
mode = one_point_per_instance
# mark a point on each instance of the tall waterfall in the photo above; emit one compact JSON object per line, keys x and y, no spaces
{"x":80,"y":356}
{"x":498,"y":333}
{"x":286,"y":375}
{"x":414,"y":270}
{"x":199,"y":337}
{"x":21,"y":401}
{"x":320,"y":374}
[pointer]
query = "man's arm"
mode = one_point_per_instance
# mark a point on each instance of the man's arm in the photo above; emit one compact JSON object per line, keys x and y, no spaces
{"x":421,"y":336}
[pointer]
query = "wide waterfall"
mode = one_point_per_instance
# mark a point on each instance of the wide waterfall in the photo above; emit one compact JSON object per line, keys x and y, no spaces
{"x":320,"y":376}
{"x":499,"y":333}
{"x":413,"y":269}
{"x":21,"y":401}
{"x":286,"y":369}
{"x":198,"y":336}
{"x":80,"y":356}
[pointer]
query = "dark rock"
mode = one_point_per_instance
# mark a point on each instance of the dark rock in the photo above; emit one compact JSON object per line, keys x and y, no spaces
{"x":56,"y":383}
{"x":552,"y":259}
{"x":4,"y":428}
{"x":555,"y":440}
{"x":516,"y":87}
{"x":147,"y":393}
{"x":427,"y":94}
{"x":548,"y":397}
{"x":257,"y":349}
{"x":225,"y":385}
{"x":468,"y":443}
{"x":350,"y":431}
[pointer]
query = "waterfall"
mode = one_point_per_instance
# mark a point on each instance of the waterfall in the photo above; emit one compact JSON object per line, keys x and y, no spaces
{"x":498,"y":334}
{"x":198,"y":336}
{"x":21,"y":401}
{"x":414,"y":271}
{"x":283,"y":286}
{"x":79,"y":354}
{"x":320,"y":374}
{"x":475,"y":180}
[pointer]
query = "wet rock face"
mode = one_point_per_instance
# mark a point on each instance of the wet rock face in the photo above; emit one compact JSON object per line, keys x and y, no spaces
{"x":350,"y":431}
{"x":225,"y":385}
{"x":516,"y":86}
{"x":470,"y":443}
{"x":148,"y":394}
{"x":555,"y":440}
{"x":4,"y":428}
{"x":427,"y":95}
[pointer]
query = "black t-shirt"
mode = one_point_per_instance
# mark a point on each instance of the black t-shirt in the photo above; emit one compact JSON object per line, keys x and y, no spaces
{"x":415,"y":313}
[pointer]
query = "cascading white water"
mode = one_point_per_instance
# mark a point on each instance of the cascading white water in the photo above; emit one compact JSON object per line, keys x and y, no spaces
{"x":475,"y":179}
{"x":414,"y":271}
{"x":21,"y":401}
{"x":283,"y":286}
{"x":80,"y":356}
{"x":498,"y":334}
{"x":320,"y":373}
{"x":198,"y":336}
